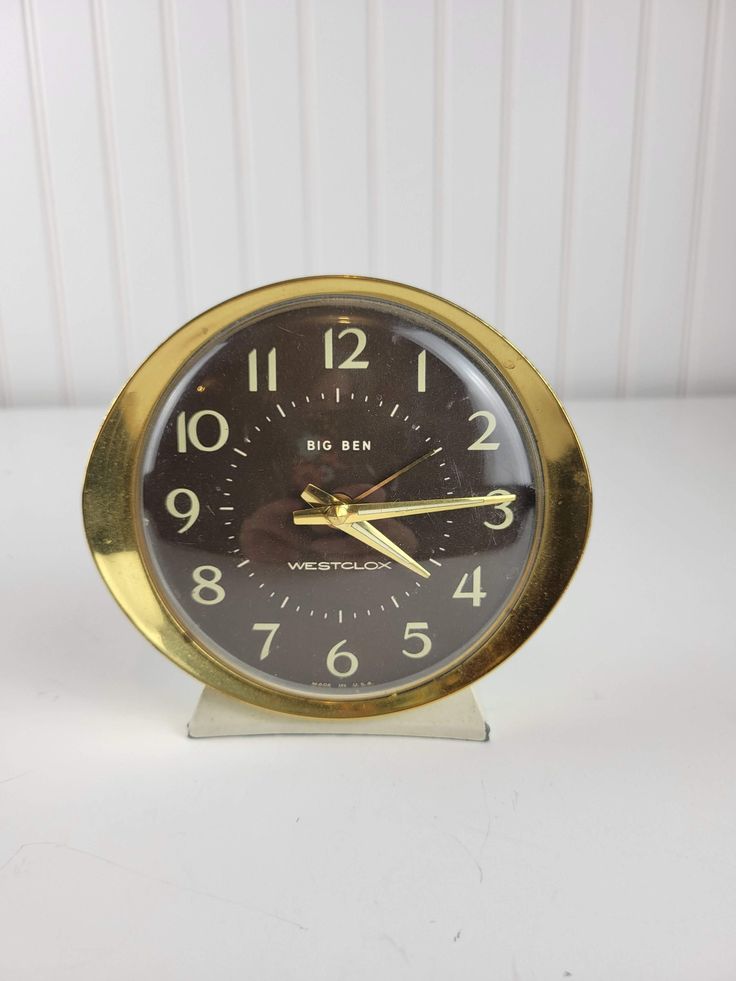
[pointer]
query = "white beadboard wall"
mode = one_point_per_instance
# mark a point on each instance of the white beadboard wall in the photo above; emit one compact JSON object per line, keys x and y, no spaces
{"x":564,"y":168}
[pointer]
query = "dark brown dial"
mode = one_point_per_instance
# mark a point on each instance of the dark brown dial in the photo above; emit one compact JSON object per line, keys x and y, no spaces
{"x":338,"y":393}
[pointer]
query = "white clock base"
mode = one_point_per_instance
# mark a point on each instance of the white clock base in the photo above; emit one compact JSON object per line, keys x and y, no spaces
{"x":454,"y":717}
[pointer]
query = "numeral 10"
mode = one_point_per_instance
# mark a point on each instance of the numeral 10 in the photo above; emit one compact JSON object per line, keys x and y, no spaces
{"x":187,"y":431}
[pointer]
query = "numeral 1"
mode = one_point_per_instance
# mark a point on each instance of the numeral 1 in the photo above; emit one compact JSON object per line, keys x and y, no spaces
{"x":422,"y":372}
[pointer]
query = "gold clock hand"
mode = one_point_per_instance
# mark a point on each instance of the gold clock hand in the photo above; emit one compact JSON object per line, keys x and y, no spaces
{"x":366,"y":533}
{"x":362,"y":530}
{"x":398,"y":473}
{"x":399,"y":509}
{"x":315,"y":495}
{"x":345,"y":512}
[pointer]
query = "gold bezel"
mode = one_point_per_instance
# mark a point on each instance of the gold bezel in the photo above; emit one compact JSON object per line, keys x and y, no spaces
{"x":113,"y":529}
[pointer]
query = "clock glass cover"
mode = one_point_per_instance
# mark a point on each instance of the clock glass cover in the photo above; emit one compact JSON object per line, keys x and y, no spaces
{"x":339,"y":496}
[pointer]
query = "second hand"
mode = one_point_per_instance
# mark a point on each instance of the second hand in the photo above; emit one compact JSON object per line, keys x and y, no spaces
{"x":393,"y":476}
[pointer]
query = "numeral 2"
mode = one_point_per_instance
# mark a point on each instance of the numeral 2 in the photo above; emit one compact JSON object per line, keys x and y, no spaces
{"x":480,"y":443}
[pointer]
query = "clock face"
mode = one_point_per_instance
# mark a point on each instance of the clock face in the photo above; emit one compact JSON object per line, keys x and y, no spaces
{"x":340,"y":497}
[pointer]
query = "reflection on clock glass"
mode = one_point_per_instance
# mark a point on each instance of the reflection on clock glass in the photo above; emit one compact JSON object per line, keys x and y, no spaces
{"x":340,"y":497}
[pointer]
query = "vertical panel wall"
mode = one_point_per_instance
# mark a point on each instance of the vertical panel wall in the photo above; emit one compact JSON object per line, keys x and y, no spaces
{"x":562,"y":167}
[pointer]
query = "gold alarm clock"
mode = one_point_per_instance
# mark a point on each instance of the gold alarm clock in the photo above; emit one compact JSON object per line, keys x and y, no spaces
{"x":337,"y":497}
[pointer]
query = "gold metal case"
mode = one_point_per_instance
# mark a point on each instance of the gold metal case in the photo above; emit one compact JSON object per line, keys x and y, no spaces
{"x":114,"y":530}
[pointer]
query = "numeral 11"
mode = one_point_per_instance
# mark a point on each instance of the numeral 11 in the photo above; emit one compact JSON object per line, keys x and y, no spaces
{"x":270,"y":371}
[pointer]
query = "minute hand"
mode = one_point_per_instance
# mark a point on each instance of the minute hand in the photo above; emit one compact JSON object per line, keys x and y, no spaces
{"x":404,"y":509}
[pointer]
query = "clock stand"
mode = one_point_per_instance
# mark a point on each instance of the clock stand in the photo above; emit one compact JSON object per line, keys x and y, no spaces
{"x":456,"y":716}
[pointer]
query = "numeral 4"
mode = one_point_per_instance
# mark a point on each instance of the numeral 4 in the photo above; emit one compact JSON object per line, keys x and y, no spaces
{"x":475,"y":593}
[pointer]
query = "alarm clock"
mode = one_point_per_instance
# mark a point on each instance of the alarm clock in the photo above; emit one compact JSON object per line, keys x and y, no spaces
{"x":337,"y":497}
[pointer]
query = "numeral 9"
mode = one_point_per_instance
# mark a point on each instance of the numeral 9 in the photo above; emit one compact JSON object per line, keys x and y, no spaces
{"x":190,"y":515}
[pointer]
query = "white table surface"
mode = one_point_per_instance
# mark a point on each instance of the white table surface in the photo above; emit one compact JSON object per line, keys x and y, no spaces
{"x":594,"y":837}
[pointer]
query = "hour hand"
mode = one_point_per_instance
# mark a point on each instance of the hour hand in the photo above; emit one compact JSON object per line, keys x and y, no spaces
{"x":313,"y":516}
{"x":326,"y":514}
{"x":315,"y":495}
{"x":318,"y":515}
